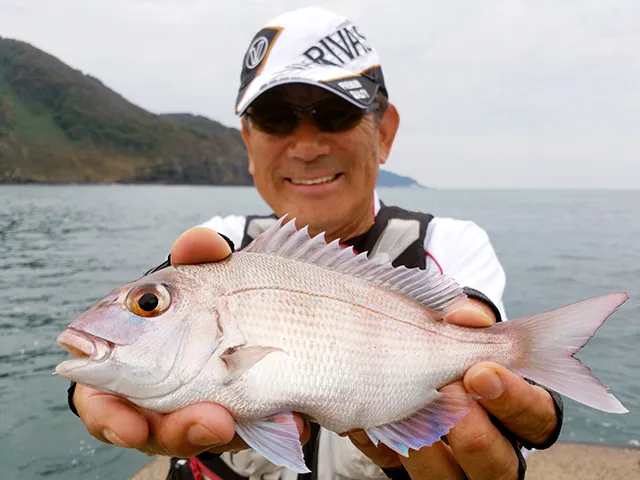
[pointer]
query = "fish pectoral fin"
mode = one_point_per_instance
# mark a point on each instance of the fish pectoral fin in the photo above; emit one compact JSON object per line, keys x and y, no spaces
{"x":276,"y":438}
{"x":426,"y":426}
{"x":240,"y":359}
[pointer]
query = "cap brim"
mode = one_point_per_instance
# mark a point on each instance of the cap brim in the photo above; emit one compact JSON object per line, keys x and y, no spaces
{"x":354,"y":88}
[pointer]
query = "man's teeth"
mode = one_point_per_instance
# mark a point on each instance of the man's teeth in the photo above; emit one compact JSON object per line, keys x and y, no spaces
{"x":315,"y":181}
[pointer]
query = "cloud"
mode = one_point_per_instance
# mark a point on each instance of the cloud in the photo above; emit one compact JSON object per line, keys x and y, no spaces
{"x":491,"y":94}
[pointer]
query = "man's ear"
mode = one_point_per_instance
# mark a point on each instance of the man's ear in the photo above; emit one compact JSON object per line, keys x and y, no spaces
{"x":244,"y":131}
{"x":387,"y":129}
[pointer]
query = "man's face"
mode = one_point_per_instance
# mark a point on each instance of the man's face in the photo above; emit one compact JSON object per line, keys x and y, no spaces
{"x":324,"y":179}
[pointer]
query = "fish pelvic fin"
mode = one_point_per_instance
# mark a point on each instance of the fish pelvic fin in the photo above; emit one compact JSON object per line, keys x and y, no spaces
{"x":435,"y":291}
{"x":277,"y":439}
{"x":548,"y":341}
{"x":427,"y":425}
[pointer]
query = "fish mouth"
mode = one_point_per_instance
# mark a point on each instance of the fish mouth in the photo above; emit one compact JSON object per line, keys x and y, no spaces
{"x":83,"y":345}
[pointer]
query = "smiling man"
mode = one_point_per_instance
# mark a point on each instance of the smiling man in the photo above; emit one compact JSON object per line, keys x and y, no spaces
{"x":320,"y":168}
{"x":317,"y":123}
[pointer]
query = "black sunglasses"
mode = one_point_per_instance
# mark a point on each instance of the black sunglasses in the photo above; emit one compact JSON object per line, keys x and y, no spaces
{"x":330,"y":115}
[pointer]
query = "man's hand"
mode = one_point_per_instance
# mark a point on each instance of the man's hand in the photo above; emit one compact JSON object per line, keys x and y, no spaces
{"x":184,"y":433}
{"x":476,"y":447}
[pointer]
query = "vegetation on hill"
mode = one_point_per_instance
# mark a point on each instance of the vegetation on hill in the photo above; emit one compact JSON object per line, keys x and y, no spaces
{"x":59,"y":125}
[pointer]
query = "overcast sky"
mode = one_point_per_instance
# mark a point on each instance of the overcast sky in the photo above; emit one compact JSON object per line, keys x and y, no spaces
{"x":492,"y":93}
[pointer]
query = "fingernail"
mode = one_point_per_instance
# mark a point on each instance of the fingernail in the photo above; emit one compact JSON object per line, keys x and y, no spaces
{"x":361,"y":438}
{"x":487,"y":384}
{"x":486,"y":318}
{"x":199,"y":435}
{"x":113,"y":438}
{"x":468,"y":316}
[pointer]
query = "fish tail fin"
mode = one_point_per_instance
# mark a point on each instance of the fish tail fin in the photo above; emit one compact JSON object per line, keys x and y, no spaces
{"x":548,"y":342}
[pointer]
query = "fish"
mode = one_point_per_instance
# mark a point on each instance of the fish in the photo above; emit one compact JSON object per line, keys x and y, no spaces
{"x":292,"y":323}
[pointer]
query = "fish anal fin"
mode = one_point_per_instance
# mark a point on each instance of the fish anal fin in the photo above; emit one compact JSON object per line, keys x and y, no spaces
{"x":426,"y":426}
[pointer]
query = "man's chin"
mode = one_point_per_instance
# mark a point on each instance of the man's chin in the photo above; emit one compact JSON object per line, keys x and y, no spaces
{"x":318,"y":218}
{"x":332,"y":226}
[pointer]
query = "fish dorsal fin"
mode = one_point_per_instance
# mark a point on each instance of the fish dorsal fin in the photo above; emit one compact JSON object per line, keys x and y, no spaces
{"x":437,"y":292}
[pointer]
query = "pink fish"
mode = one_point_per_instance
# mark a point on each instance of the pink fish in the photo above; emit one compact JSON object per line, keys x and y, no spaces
{"x":293,"y":324}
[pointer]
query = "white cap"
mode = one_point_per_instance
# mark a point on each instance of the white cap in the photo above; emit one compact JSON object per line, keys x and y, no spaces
{"x":311,"y":45}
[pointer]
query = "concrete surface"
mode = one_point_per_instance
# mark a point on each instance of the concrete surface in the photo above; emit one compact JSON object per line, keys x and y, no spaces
{"x":563,"y":461}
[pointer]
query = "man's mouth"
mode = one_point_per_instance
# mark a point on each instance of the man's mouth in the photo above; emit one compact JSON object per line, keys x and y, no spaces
{"x":314,"y":181}
{"x":84,"y":345}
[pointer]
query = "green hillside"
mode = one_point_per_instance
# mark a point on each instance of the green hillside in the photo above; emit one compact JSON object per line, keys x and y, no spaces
{"x":60,"y":125}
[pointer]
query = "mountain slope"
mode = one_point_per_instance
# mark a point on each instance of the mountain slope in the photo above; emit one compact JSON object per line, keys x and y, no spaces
{"x":59,"y":125}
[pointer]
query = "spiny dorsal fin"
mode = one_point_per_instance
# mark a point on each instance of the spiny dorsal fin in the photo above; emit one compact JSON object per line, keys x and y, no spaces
{"x":437,"y":292}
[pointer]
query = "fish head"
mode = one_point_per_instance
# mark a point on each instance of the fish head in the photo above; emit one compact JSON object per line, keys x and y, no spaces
{"x":145,"y":339}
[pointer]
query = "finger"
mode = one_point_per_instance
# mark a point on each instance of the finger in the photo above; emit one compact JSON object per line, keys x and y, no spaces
{"x":192,"y":430}
{"x":303,"y":428}
{"x":203,"y":427}
{"x":199,"y":245}
{"x":110,"y":419}
{"x":479,"y":447}
{"x":473,"y":313}
{"x":433,"y":463}
{"x":381,"y":455}
{"x":524,"y":409}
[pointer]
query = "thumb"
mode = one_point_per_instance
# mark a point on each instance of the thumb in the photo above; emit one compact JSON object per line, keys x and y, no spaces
{"x":199,"y":245}
{"x":474,"y":313}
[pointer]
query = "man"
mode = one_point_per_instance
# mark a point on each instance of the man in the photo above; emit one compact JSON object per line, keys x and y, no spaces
{"x":317,"y":124}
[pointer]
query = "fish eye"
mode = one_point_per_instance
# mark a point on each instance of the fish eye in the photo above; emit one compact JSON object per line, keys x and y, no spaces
{"x":148,"y":302}
{"x":149,"y":299}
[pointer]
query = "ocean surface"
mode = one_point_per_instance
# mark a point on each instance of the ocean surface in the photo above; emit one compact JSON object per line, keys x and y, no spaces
{"x":62,"y":248}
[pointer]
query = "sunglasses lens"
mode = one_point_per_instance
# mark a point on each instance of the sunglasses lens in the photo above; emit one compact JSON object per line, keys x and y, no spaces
{"x":274,"y":118}
{"x":337,"y":115}
{"x":331,"y":115}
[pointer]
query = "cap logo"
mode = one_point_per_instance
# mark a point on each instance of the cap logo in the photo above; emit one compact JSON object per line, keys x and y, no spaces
{"x":257,"y":51}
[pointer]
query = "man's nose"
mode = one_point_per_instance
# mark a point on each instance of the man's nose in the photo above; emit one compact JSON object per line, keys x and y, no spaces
{"x":307,"y":142}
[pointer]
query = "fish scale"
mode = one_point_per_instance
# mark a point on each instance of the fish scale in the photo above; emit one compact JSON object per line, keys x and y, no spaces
{"x":332,"y":356}
{"x":356,"y":350}
{"x":293,"y":324}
